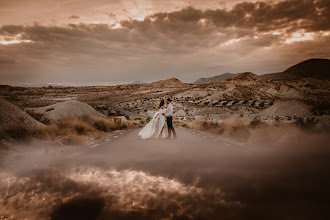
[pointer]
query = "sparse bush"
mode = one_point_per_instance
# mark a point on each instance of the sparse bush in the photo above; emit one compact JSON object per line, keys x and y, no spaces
{"x":68,"y":131}
{"x":306,"y":123}
{"x":79,"y":126}
{"x":19,"y":132}
{"x":256,"y":122}
{"x":25,"y":133}
{"x":72,"y":140}
{"x":103,"y":125}
{"x":184,"y":125}
{"x":208,"y":125}
{"x":82,"y":128}
{"x":235,"y":129}
{"x":240,"y":131}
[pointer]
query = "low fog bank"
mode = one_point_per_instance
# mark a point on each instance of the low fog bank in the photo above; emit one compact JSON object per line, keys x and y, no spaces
{"x":283,"y":179}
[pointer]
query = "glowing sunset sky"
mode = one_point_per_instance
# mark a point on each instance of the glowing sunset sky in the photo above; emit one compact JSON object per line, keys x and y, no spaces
{"x":83,"y":42}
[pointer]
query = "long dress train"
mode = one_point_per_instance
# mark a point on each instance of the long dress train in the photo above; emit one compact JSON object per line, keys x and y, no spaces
{"x":150,"y":128}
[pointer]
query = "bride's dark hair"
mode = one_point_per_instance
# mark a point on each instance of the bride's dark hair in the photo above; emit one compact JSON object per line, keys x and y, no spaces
{"x":162,"y":102}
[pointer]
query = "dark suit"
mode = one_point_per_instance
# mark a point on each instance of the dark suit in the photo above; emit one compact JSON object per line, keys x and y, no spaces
{"x":170,"y":127}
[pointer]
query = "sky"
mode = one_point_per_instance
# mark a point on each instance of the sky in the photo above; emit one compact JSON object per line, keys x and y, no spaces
{"x":108,"y":42}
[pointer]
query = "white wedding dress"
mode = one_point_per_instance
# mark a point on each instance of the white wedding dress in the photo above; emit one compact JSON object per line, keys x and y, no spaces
{"x":150,"y":128}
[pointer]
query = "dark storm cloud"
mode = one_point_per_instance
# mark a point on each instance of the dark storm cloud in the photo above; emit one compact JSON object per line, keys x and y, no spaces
{"x":293,"y":15}
{"x":190,"y":26}
{"x":11,"y":30}
{"x":176,"y":38}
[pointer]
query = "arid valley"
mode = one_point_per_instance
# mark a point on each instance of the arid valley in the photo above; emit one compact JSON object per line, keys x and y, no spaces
{"x":164,"y":110}
{"x":248,"y":145}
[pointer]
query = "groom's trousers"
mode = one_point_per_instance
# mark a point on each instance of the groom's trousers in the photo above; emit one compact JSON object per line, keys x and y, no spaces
{"x":170,"y":127}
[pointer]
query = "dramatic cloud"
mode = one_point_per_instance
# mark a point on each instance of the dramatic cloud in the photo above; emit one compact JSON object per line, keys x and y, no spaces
{"x":249,"y":36}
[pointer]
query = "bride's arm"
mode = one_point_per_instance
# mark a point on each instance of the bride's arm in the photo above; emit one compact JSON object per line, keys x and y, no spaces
{"x":156,"y":114}
{"x":159,"y":112}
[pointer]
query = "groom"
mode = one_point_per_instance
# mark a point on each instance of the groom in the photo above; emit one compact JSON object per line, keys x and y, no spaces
{"x":169,"y":113}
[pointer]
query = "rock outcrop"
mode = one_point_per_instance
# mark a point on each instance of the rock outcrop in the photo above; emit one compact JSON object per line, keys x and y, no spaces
{"x":67,"y":109}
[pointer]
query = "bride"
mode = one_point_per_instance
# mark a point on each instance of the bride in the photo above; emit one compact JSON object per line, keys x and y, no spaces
{"x":150,"y":128}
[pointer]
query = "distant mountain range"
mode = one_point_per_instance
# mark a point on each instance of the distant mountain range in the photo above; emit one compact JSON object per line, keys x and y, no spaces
{"x":47,"y":85}
{"x":138,"y":83}
{"x":218,"y":78}
{"x":313,"y":68}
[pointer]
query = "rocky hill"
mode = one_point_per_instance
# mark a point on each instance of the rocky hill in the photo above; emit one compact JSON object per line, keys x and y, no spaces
{"x":11,"y":115}
{"x":67,"y":109}
{"x":214,"y":79}
{"x":248,"y":86}
{"x":247,"y":76}
{"x":313,"y":68}
{"x":168,"y":83}
{"x":287,"y":108}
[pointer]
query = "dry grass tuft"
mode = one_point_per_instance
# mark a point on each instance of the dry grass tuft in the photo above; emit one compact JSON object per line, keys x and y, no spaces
{"x":256,"y":122}
{"x":257,"y":131}
{"x":278,"y":133}
{"x":236,"y":129}
{"x":74,"y":126}
{"x":67,"y":131}
{"x":72,"y":140}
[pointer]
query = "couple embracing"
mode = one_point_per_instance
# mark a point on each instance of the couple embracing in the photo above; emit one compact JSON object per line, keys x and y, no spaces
{"x":163,"y":114}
